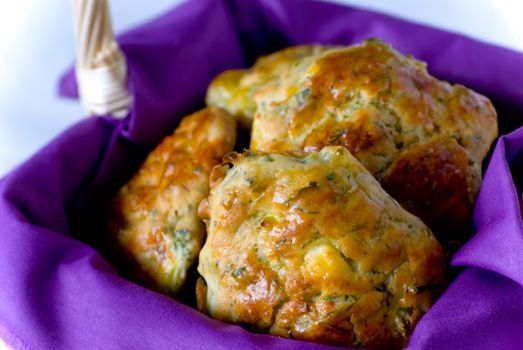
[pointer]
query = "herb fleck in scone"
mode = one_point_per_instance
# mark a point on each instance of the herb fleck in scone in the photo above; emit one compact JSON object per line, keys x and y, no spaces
{"x":422,"y":138}
{"x":155,"y":219}
{"x":311,"y":247}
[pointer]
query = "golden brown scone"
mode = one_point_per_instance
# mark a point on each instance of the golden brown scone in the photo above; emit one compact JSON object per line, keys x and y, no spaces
{"x":313,"y":248}
{"x":422,"y":137}
{"x":155,"y":217}
{"x":234,"y":90}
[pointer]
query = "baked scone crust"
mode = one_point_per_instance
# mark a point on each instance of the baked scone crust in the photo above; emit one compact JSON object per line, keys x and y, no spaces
{"x":154,"y":216}
{"x":311,"y":247}
{"x":235,"y":90}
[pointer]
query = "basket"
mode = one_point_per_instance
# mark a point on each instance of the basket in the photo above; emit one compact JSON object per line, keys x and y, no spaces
{"x":57,"y":291}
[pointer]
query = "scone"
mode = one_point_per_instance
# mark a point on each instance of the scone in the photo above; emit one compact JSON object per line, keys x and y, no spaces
{"x":422,"y":138}
{"x":312,"y":248}
{"x":154,"y":218}
{"x":235,"y":90}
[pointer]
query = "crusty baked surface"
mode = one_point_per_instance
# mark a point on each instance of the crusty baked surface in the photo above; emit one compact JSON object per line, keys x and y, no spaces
{"x":385,"y":108}
{"x":155,"y":217}
{"x":235,"y":90}
{"x":311,"y":247}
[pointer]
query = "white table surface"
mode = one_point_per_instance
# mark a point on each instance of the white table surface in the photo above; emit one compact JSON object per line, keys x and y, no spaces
{"x":36,"y":46}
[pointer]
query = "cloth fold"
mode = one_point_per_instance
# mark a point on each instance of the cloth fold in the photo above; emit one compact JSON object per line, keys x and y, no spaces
{"x":497,"y":243}
{"x":57,"y":291}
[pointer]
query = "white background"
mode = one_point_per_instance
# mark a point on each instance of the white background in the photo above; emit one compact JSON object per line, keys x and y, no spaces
{"x":36,"y":46}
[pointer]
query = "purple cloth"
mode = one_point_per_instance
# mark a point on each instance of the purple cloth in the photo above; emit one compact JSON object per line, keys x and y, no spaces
{"x":58,"y":292}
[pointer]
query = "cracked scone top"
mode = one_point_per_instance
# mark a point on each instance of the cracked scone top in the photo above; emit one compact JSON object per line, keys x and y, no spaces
{"x":312,"y":248}
{"x":154,"y":216}
{"x":422,"y":138}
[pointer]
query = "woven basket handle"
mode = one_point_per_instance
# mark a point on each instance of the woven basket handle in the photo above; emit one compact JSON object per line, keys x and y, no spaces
{"x":101,"y":70}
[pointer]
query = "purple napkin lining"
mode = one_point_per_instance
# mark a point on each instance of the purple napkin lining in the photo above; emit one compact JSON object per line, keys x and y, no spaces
{"x":58,"y":292}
